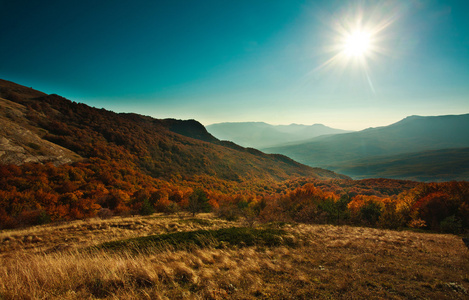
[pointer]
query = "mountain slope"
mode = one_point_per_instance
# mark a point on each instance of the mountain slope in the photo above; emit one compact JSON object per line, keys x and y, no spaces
{"x":259,"y":134}
{"x":410,"y":135}
{"x":435,"y":165}
{"x":160,"y":148}
{"x":19,"y":143}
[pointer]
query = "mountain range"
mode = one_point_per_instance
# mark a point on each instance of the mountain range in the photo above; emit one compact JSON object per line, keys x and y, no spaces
{"x":39,"y":128}
{"x":424,"y":148}
{"x":262,"y":135}
{"x":42,"y":128}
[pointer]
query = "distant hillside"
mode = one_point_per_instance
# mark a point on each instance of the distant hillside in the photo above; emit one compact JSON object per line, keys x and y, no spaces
{"x":52,"y":128}
{"x":410,"y":135}
{"x":260,"y":135}
{"x":435,"y":165}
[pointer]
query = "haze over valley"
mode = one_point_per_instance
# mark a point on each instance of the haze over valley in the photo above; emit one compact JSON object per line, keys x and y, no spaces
{"x":416,"y":148}
{"x":260,"y":135}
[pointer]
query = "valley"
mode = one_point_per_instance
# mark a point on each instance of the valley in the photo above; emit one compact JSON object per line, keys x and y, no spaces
{"x":415,"y":148}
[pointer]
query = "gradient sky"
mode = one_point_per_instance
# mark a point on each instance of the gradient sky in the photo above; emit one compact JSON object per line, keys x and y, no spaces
{"x":230,"y":61}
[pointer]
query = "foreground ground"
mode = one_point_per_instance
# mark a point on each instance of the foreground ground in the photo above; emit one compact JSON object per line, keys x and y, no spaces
{"x":69,"y":261}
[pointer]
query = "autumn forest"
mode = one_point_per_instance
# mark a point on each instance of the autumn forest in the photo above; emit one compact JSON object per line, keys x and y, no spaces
{"x":127,"y":164}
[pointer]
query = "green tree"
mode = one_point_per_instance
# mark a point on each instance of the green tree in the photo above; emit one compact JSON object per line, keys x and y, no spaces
{"x":198,"y":202}
{"x":147,"y":209}
{"x":370,"y":212}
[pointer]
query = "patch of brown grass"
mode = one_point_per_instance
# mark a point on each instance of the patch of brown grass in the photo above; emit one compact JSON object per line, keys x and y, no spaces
{"x":327,"y":262}
{"x":84,"y":233}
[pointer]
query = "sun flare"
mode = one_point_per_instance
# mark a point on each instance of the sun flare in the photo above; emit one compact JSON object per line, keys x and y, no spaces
{"x":357,"y":39}
{"x":357,"y":43}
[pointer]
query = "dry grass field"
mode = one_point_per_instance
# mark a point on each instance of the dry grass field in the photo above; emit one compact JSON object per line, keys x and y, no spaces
{"x":271,"y":261}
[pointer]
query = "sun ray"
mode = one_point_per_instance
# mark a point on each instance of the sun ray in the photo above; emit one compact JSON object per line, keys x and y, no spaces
{"x":359,"y":39}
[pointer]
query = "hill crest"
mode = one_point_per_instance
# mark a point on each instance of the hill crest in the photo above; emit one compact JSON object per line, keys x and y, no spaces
{"x":161,"y":148}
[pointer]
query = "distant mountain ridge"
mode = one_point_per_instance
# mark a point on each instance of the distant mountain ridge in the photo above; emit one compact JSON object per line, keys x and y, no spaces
{"x":261,"y":135}
{"x":60,"y":131}
{"x":410,"y":135}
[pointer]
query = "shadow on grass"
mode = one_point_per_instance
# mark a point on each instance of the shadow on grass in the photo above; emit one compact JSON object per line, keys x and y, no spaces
{"x":221,"y":238}
{"x":203,"y":222}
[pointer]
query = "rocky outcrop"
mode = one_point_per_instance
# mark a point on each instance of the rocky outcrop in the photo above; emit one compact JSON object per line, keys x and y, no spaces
{"x":19,"y":145}
{"x":23,"y":146}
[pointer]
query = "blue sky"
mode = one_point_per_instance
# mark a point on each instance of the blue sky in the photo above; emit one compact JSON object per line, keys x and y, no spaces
{"x":231,"y":61}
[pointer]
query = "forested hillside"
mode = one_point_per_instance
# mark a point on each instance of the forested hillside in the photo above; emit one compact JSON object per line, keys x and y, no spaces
{"x":160,"y":148}
{"x":63,"y":160}
{"x":75,"y":159}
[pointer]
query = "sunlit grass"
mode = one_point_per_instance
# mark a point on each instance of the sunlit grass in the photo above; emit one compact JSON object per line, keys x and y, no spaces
{"x":221,"y":260}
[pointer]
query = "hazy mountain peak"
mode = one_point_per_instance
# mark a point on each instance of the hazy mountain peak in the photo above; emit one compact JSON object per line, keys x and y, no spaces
{"x":260,"y":134}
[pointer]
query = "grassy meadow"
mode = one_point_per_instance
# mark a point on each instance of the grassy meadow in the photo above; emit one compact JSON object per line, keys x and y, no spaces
{"x":203,"y":257}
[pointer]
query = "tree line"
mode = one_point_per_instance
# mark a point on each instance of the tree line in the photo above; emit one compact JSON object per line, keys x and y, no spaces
{"x":33,"y":194}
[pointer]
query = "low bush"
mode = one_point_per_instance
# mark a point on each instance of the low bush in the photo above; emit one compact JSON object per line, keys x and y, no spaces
{"x":234,"y":236}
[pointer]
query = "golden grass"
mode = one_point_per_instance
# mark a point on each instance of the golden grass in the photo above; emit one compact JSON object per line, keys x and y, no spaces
{"x":328,"y":262}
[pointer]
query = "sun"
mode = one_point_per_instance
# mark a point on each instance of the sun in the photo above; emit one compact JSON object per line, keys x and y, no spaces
{"x":358,"y":38}
{"x":357,"y":44}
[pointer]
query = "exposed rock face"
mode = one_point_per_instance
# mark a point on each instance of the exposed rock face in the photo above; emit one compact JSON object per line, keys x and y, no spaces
{"x":19,"y":145}
{"x":37,"y":151}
